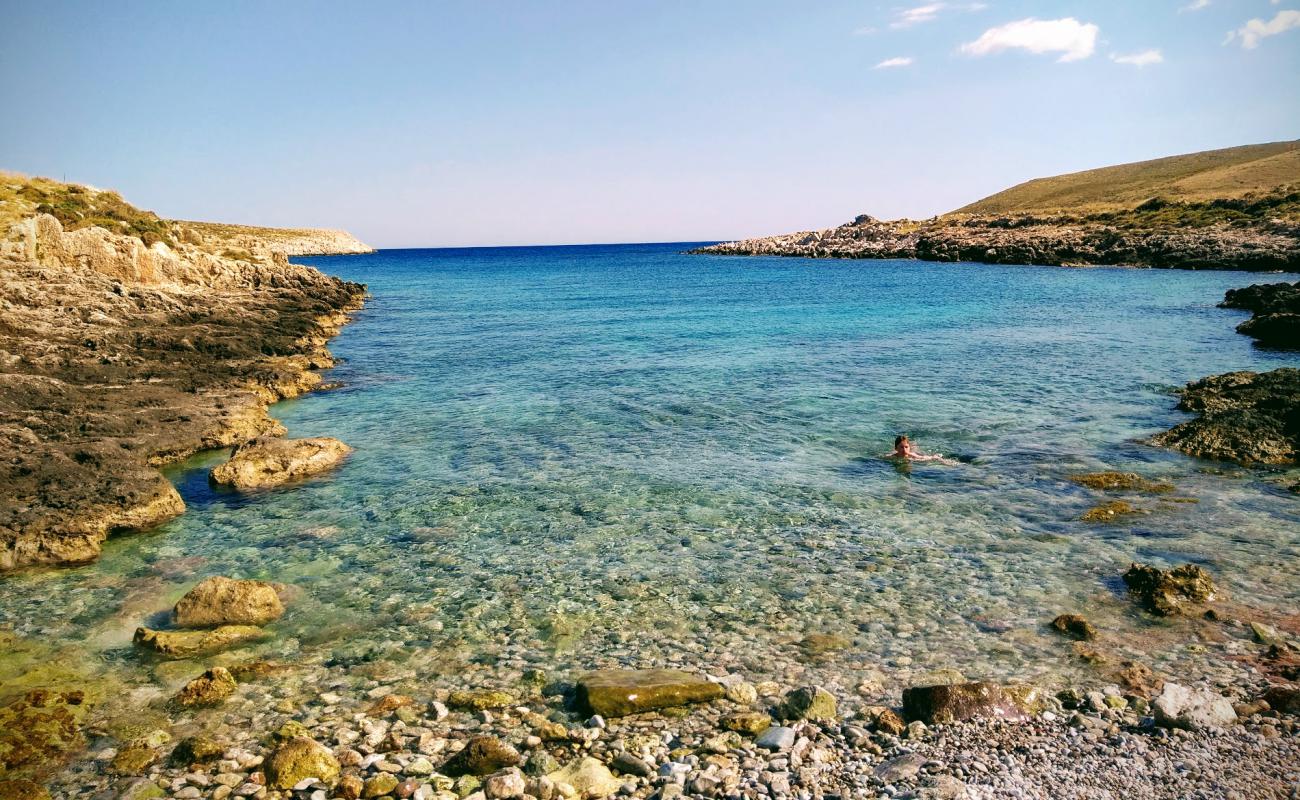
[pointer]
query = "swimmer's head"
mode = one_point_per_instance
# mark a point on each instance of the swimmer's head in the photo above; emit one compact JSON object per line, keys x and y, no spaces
{"x":899,"y":441}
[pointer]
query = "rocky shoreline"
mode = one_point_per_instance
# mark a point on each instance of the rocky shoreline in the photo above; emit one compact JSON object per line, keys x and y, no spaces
{"x":120,"y":357}
{"x":1259,"y":235}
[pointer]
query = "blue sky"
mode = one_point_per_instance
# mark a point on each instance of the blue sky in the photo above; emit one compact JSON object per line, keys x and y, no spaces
{"x":479,"y":123}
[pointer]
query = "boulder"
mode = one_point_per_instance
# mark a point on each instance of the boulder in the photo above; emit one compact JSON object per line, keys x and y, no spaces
{"x":187,"y":644}
{"x":482,"y":755}
{"x":267,"y":462}
{"x":505,"y":784}
{"x":1283,"y":699}
{"x":298,"y":759}
{"x":1169,"y":592}
{"x":209,"y":689}
{"x":1193,"y":709}
{"x":943,"y":704}
{"x":1075,"y":626}
{"x":619,"y":692}
{"x":589,"y":778}
{"x":808,"y":702}
{"x":225,"y":601}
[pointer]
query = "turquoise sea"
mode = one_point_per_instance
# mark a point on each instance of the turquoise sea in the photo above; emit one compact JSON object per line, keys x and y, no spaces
{"x":579,"y":456}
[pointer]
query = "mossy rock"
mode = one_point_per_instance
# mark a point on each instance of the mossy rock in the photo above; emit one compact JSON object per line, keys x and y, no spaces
{"x":619,"y":692}
{"x":133,"y":759}
{"x":41,"y":728}
{"x":209,"y":689}
{"x":19,"y":789}
{"x":808,"y":702}
{"x":937,"y":705}
{"x":1121,"y":481}
{"x":1110,"y":512}
{"x":197,"y":750}
{"x":482,"y":755}
{"x":188,"y":644}
{"x":1169,"y":592}
{"x":300,"y":758}
{"x":481,"y":699}
{"x":747,"y":722}
{"x":1076,"y":626}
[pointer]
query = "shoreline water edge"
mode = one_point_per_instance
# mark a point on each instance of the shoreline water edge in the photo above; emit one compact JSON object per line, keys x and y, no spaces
{"x":174,"y":349}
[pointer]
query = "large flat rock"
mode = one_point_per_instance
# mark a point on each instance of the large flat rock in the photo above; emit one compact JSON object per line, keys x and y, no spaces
{"x":266,"y":462}
{"x":619,"y":692}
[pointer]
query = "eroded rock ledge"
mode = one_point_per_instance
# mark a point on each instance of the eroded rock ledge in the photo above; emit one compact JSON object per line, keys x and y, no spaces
{"x":117,"y":358}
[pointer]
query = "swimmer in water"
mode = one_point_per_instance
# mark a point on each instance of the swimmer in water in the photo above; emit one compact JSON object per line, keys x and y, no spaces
{"x":904,"y":449}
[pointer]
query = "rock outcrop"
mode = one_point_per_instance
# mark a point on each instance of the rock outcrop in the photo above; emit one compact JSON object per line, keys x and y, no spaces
{"x":117,"y":357}
{"x":1169,"y":592}
{"x":220,"y":601}
{"x":267,"y":462}
{"x":1246,"y":417}
{"x":1275,"y":313}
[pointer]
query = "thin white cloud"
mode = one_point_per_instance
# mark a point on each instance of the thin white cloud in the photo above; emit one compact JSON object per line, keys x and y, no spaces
{"x":1140,"y":59}
{"x":900,"y":61}
{"x":1074,"y":40}
{"x":907,"y":17}
{"x":1256,"y":29}
{"x":1197,"y":5}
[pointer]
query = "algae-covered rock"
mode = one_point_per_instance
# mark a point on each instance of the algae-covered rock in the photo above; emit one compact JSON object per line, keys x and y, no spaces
{"x":1109,"y":512}
{"x":481,"y":699}
{"x":379,"y":785}
{"x":818,"y":646}
{"x":300,"y":758}
{"x":1121,"y":481}
{"x":268,"y":462}
{"x":19,"y":789}
{"x":748,"y":722}
{"x":589,"y":779}
{"x":187,"y":644}
{"x":619,"y":692}
{"x":1076,"y":626}
{"x":935,"y":705}
{"x":219,"y":601}
{"x":808,"y":702}
{"x":133,"y":759}
{"x":196,"y":750}
{"x":1169,"y":592}
{"x":481,"y":755}
{"x":208,"y":689}
{"x":40,"y":727}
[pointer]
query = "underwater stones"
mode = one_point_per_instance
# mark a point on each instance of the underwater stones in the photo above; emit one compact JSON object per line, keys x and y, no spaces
{"x":133,"y":759}
{"x":298,"y":759}
{"x":209,"y":689}
{"x":220,"y":600}
{"x":1169,"y":592}
{"x":619,"y":692}
{"x":819,"y":646}
{"x":187,"y":644}
{"x":388,"y":704}
{"x":379,"y":785}
{"x":808,"y":702}
{"x":935,"y":705}
{"x":1192,"y":709}
{"x":1121,"y":481}
{"x":628,"y":764}
{"x":749,"y":722}
{"x":197,"y":750}
{"x":777,"y":739}
{"x":589,"y":778}
{"x":268,"y":462}
{"x":22,"y":790}
{"x":1109,"y":512}
{"x":482,"y":755}
{"x":481,"y":699}
{"x":40,"y":727}
{"x":1076,"y":626}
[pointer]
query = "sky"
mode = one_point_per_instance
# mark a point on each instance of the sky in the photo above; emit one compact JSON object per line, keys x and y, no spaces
{"x":507,"y":123}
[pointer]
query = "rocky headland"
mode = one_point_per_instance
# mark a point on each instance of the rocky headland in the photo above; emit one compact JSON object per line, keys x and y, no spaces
{"x":128,"y":342}
{"x":1275,"y":313}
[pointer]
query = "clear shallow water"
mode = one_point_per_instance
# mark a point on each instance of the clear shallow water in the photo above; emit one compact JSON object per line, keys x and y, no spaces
{"x":577,"y":456}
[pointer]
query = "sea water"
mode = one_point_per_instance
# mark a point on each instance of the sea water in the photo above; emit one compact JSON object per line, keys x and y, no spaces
{"x":570,"y":457}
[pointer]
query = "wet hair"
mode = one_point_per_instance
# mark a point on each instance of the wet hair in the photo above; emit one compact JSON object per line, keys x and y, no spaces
{"x":899,"y":440}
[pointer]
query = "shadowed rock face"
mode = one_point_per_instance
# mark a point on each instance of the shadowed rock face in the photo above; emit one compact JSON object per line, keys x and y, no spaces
{"x":106,"y":375}
{"x":1246,"y":417}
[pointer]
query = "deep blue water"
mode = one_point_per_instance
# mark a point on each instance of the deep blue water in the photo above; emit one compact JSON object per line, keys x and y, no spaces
{"x":574,"y":455}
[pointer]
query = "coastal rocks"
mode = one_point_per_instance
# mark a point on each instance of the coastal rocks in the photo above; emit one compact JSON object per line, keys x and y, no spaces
{"x":268,"y":462}
{"x":1275,"y":307}
{"x":1120,"y":481}
{"x":1169,"y":592}
{"x":588,"y":777}
{"x":1180,"y":707}
{"x":778,"y":739}
{"x":943,"y":704}
{"x":482,"y":755}
{"x":220,"y":601}
{"x":298,"y":759}
{"x":208,"y":689}
{"x":1075,"y":626}
{"x":808,"y":702}
{"x":481,"y":700}
{"x":1246,"y":417}
{"x":619,"y":692}
{"x":1109,"y":512}
{"x":187,"y":644}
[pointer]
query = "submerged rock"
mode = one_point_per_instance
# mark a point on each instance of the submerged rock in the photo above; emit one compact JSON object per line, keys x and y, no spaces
{"x":1123,"y":481}
{"x":619,"y":692}
{"x":1169,"y":592}
{"x":19,"y":789}
{"x":208,"y":689}
{"x":40,"y":728}
{"x":1247,"y":417}
{"x":482,"y":755}
{"x":1193,"y":709}
{"x":808,"y":702}
{"x":268,"y":462}
{"x":187,"y":644}
{"x":197,"y":750}
{"x":481,"y":699}
{"x":589,"y":779}
{"x":298,"y":759}
{"x":957,"y":702}
{"x":1109,"y":512}
{"x":1076,"y":626}
{"x":225,"y":601}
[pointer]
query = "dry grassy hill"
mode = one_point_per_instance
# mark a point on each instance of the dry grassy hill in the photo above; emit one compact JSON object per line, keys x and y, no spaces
{"x":1235,"y":172}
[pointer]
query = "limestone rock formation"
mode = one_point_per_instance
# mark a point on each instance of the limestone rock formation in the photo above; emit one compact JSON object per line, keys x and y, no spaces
{"x":219,"y":601}
{"x":267,"y":462}
{"x":1246,"y":417}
